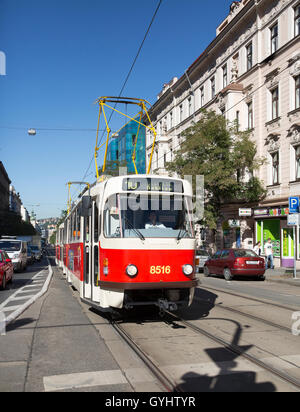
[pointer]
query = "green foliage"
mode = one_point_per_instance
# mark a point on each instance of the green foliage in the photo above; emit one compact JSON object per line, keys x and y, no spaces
{"x":215,"y":149}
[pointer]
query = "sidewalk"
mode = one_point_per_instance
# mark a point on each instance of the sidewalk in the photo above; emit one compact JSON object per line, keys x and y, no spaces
{"x":54,"y":346}
{"x":283,"y":275}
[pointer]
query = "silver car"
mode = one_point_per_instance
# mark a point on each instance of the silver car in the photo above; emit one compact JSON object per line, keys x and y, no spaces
{"x":201,"y":257}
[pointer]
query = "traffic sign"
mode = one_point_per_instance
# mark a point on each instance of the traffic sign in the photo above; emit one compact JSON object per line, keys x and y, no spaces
{"x":293,"y":204}
{"x":293,"y":220}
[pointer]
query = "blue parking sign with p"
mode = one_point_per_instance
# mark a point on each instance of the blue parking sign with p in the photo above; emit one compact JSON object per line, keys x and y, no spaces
{"x":294,"y":204}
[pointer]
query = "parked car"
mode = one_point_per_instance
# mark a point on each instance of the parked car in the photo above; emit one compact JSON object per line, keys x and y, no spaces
{"x":6,"y":269}
{"x":36,"y":251}
{"x":233,"y":262}
{"x":30,"y":256}
{"x":16,"y":250}
{"x":201,"y":257}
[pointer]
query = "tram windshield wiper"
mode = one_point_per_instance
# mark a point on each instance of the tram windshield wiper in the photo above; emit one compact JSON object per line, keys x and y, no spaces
{"x":182,"y":233}
{"x":140,"y":235}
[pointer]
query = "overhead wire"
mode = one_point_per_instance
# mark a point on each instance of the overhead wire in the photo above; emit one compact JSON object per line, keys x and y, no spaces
{"x":125,"y":82}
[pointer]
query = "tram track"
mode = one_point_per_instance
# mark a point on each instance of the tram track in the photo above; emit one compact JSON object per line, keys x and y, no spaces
{"x":247,"y":315}
{"x":170,"y":384}
{"x":277,"y":305}
{"x":235,"y":349}
{"x":164,"y":380}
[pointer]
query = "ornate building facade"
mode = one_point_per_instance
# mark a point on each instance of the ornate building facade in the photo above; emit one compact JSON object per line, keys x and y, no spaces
{"x":249,"y":73}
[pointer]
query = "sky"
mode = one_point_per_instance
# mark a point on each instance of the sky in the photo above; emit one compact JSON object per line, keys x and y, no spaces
{"x":61,"y":55}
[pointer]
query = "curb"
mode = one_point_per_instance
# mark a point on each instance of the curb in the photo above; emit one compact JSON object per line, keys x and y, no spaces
{"x":291,"y":282}
{"x":22,"y":308}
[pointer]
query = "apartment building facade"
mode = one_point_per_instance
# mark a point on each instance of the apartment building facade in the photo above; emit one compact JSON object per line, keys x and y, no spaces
{"x":249,"y":73}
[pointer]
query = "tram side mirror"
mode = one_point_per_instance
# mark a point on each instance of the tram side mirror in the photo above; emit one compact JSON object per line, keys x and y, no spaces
{"x":86,"y":206}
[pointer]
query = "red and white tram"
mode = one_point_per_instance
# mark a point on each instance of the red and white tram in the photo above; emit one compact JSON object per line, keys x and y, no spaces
{"x":130,"y":242}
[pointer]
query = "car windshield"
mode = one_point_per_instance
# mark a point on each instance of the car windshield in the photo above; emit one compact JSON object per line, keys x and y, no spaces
{"x":10,"y":246}
{"x":202,"y":253}
{"x":143,"y":216}
{"x":244,"y":253}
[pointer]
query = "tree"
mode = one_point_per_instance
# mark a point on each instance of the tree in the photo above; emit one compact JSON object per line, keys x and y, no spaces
{"x":226,"y":158}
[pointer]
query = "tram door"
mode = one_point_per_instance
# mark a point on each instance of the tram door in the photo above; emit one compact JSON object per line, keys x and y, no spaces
{"x":95,"y":290}
{"x":87,"y":290}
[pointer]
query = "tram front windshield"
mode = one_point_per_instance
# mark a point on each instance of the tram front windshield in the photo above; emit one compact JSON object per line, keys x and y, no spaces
{"x":148,"y":216}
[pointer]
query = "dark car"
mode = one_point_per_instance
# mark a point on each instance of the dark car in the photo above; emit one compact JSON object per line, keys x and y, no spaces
{"x":234,"y":262}
{"x":6,"y":269}
{"x":30,"y":256}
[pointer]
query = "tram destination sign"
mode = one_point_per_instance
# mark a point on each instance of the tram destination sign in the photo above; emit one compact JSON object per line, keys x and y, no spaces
{"x":146,"y":184}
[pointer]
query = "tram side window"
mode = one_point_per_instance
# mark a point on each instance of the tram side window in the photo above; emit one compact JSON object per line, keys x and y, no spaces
{"x":111,"y":220}
{"x":77,"y":224}
{"x":96,"y":223}
{"x":96,"y":265}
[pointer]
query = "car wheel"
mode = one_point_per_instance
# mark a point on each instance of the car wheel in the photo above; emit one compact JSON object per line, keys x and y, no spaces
{"x":3,"y":282}
{"x":206,"y":271}
{"x":227,"y":274}
{"x":262,"y":278}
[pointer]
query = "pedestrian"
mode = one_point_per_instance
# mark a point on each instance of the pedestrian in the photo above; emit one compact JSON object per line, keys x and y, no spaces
{"x":269,"y":253}
{"x":257,"y":248}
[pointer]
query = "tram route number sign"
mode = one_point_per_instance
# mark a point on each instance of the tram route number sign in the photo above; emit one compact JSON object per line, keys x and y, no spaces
{"x":152,"y":185}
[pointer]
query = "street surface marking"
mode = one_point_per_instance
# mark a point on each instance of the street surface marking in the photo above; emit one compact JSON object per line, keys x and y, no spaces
{"x":83,"y":380}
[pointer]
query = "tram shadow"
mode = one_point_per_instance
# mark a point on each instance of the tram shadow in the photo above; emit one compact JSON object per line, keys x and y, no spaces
{"x":203,"y":302}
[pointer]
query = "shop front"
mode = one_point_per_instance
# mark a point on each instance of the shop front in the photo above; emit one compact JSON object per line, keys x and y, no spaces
{"x":272,"y":223}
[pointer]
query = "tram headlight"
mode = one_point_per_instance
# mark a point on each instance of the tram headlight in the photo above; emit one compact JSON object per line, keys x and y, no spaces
{"x":131,"y":270}
{"x":187,"y":269}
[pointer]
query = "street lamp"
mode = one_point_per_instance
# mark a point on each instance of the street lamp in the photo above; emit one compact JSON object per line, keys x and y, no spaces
{"x":31,"y":132}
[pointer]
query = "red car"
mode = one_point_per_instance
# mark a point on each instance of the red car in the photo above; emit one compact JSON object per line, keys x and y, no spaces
{"x":6,"y":269}
{"x":233,"y":262}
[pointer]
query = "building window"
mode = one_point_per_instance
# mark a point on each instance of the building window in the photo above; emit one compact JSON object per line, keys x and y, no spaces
{"x":202,"y":97}
{"x":171,"y":120}
{"x":274,"y":38}
{"x":249,"y":56}
{"x":275,"y":99}
{"x":190,"y":106}
{"x":180,"y":113}
{"x":237,"y":120}
{"x":225,"y":76}
{"x":213,"y":87}
{"x":297,"y":162}
{"x":223,"y":110}
{"x":297,"y":20}
{"x":275,"y":168}
{"x":250,"y":115}
{"x":297,"y":92}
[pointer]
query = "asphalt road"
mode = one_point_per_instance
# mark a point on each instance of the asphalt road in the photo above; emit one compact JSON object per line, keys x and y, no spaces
{"x":278,"y":293}
{"x":21,"y":279}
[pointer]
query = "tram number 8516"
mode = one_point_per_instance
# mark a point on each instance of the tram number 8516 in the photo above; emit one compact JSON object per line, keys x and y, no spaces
{"x":158,"y":270}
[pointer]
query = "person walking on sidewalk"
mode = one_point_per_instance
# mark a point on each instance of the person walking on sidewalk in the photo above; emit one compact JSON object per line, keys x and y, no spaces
{"x":269,"y":253}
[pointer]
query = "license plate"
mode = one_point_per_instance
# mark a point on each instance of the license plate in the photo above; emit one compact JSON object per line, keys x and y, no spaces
{"x":252,"y":262}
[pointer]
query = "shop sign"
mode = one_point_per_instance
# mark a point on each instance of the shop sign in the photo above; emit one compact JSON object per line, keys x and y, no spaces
{"x":245,"y":211}
{"x":277,"y":211}
{"x":281,"y":211}
{"x":234,"y":223}
{"x":261,"y":212}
